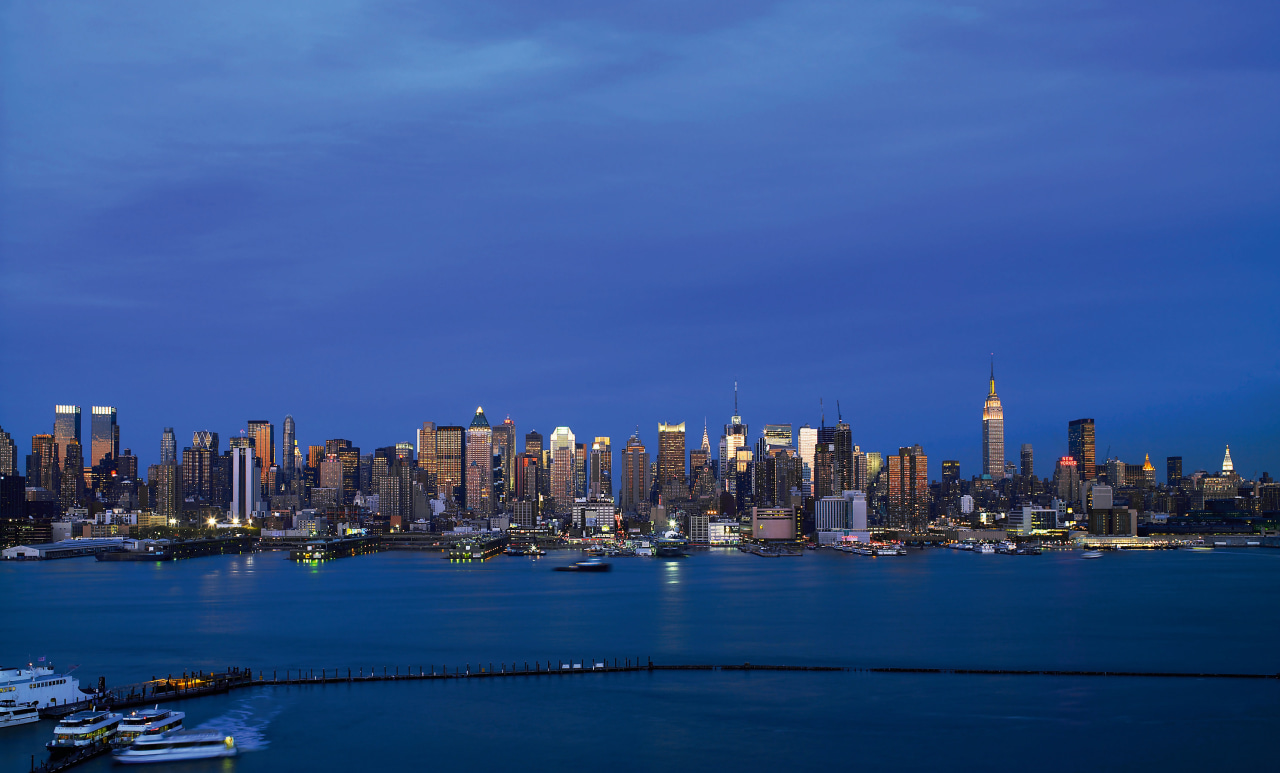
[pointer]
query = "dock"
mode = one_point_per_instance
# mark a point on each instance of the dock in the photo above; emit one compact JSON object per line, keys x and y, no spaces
{"x":329,"y":549}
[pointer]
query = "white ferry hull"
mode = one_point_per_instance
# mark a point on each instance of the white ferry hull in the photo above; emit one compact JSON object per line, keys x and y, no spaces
{"x":11,"y":719}
{"x":132,"y":757}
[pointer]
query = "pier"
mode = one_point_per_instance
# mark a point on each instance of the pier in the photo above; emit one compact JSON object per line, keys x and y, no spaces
{"x":329,"y":549}
{"x":196,"y":684}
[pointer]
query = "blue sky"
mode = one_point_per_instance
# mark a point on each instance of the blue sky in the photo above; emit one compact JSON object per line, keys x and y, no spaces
{"x":371,"y":214}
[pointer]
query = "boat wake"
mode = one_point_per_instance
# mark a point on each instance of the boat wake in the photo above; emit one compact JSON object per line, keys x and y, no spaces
{"x":247,"y":722}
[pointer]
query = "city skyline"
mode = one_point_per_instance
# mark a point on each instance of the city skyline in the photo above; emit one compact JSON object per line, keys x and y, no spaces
{"x":1046,"y":454}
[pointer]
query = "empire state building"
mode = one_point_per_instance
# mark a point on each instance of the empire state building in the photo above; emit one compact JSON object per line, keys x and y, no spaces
{"x":993,"y":432}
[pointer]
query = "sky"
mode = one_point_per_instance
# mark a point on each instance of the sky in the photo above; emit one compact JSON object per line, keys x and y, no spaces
{"x":374,"y":214}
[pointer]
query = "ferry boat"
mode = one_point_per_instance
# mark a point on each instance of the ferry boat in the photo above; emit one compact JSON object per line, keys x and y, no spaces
{"x":1091,"y":554}
{"x":81,"y":729}
{"x":147,"y":722}
{"x":40,"y":687}
{"x":175,"y":746}
{"x":13,"y":714}
{"x":984,"y":547}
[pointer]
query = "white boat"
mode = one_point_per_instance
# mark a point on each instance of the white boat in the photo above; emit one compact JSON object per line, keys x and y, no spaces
{"x":147,"y":722}
{"x":13,"y":714}
{"x":176,"y":745}
{"x":81,"y":729}
{"x":39,"y":686}
{"x":1091,"y":554}
{"x":984,"y":547}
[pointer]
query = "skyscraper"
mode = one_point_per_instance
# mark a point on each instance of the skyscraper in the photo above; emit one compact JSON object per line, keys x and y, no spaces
{"x":289,"y":451}
{"x":950,"y":478}
{"x":1173,"y":470}
{"x":105,"y":434}
{"x":635,"y":475}
{"x":1028,"y":466}
{"x":671,"y":462}
{"x":807,"y":442}
{"x":777,"y":436}
{"x":450,"y":441}
{"x":168,"y":447}
{"x":479,"y":469}
{"x":245,"y":484}
{"x":601,"y":473}
{"x":843,"y":459}
{"x":993,"y":431}
{"x":909,"y":488}
{"x":1228,"y":466}
{"x":43,"y":464}
{"x":427,"y":451}
{"x":734,"y":437}
{"x":8,"y":454}
{"x":263,"y":433}
{"x":824,"y":462}
{"x":563,"y":467}
{"x":505,"y":450}
{"x":168,"y":487}
{"x":72,"y":484}
{"x":1080,"y":446}
{"x":66,"y":424}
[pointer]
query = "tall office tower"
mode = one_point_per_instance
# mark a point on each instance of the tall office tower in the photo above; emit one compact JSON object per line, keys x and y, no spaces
{"x":395,"y":490}
{"x":246,"y":486}
{"x":909,"y":488}
{"x":635,"y":475}
{"x":950,"y":478}
{"x":1066,"y":479}
{"x":1148,"y":473}
{"x":479,"y":469}
{"x":315,"y":455}
{"x":875,"y":463}
{"x":427,"y":451}
{"x":734,"y":437}
{"x":742,"y":471}
{"x":168,"y":447}
{"x":824,"y":462}
{"x":993,"y":431}
{"x":563,"y":466}
{"x":1173,"y":470}
{"x":350,"y":458}
{"x":199,"y":464}
{"x":383,"y":458}
{"x":843,"y":459}
{"x":860,"y":479}
{"x":105,"y":434}
{"x":331,"y":475}
{"x":127,"y":465}
{"x":335,"y":445}
{"x":66,"y":424}
{"x":702,"y":481}
{"x":525,"y":486}
{"x":672,"y":475}
{"x":289,"y":450}
{"x":601,"y":473}
{"x":404,"y":452}
{"x":204,"y":438}
{"x":777,"y":435}
{"x":8,"y":454}
{"x":168,"y":488}
{"x":505,"y":449}
{"x":1080,"y":446}
{"x":1228,"y":467}
{"x":1028,"y":466}
{"x":580,"y":459}
{"x":43,"y":465}
{"x":533,"y":443}
{"x":450,"y":441}
{"x":72,"y":493}
{"x":807,"y":442}
{"x":534,"y":446}
{"x":264,"y":443}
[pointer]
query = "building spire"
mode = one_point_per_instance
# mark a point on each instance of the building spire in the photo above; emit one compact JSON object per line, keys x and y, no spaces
{"x":706,"y":441}
{"x":1227,"y":466}
{"x":992,"y":392}
{"x":735,"y":398}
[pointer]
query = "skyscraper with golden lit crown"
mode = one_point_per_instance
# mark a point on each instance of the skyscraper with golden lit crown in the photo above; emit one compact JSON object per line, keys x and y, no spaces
{"x":993,"y":432}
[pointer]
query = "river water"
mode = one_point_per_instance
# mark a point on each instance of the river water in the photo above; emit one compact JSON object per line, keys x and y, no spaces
{"x":1129,"y":611}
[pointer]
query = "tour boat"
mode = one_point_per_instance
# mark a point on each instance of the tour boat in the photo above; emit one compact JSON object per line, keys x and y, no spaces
{"x":984,"y":547}
{"x":1091,"y":554}
{"x":13,"y":714}
{"x":175,"y":746}
{"x":147,"y":722}
{"x":590,"y":565}
{"x":39,"y":686}
{"x":81,"y":729}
